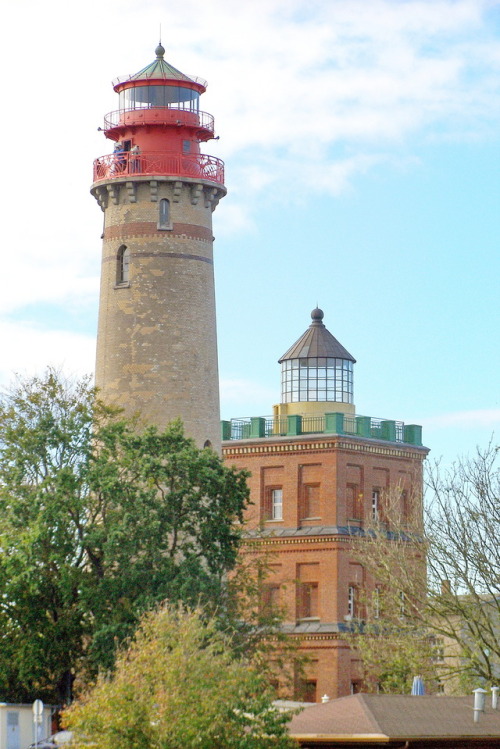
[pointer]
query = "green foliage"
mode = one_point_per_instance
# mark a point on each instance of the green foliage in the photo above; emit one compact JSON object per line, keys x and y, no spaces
{"x":99,"y":523}
{"x":179,"y":685}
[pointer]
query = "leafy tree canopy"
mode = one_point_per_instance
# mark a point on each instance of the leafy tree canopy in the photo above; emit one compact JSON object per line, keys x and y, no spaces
{"x":179,"y":685}
{"x":99,"y":523}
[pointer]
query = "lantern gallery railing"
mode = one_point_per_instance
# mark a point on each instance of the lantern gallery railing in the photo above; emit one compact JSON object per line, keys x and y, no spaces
{"x":330,"y":423}
{"x":125,"y":163}
{"x":160,"y":116}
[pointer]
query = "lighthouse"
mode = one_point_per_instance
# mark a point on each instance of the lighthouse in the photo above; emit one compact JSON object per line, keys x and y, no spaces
{"x":156,"y":342}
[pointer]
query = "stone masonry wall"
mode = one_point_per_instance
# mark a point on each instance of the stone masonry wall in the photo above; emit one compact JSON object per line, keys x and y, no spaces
{"x":157,"y":347}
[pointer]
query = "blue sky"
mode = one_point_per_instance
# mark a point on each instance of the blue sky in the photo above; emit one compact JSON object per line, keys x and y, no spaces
{"x":362,"y":146}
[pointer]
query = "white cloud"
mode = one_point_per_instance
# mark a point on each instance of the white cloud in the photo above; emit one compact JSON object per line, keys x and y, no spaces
{"x":28,"y":350}
{"x":324,"y":89}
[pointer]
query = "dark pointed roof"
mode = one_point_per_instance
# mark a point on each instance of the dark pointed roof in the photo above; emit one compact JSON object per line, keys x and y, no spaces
{"x":316,"y":341}
{"x":159,"y":68}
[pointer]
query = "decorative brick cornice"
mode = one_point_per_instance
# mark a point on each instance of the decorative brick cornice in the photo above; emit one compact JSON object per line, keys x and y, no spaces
{"x":267,"y":446}
{"x":130,"y":229}
{"x":104,"y":190}
{"x":301,"y":540}
{"x":173,"y":255}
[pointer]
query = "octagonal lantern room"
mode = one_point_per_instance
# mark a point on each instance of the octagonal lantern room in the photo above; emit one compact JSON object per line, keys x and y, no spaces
{"x":316,"y":372}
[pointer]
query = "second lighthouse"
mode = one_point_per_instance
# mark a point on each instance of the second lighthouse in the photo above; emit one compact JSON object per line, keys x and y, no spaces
{"x":156,"y":346}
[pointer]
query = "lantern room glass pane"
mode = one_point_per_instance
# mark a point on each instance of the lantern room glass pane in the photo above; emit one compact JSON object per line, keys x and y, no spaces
{"x":177,"y":97}
{"x":305,"y":380}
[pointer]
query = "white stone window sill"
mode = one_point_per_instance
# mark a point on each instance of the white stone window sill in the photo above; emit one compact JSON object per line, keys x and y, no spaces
{"x":308,"y":619}
{"x":122,"y":285}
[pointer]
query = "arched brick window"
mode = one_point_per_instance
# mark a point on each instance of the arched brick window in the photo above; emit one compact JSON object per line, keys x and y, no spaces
{"x":122,"y":265}
{"x":164,"y":214}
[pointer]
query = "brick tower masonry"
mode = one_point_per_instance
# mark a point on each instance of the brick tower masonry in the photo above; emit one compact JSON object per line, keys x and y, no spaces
{"x":157,"y":347}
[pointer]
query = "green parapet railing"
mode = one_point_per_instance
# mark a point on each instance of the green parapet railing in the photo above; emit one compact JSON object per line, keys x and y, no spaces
{"x":334,"y":423}
{"x":413,"y":434}
{"x":388,"y":430}
{"x":294,"y":425}
{"x":225,"y":428}
{"x":257,"y":427}
{"x":366,"y":427}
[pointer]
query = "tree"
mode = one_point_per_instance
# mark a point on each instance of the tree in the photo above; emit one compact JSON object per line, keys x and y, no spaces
{"x":453,"y":611}
{"x":178,"y":684}
{"x":463,"y":531}
{"x":99,"y":523}
{"x":388,"y":633}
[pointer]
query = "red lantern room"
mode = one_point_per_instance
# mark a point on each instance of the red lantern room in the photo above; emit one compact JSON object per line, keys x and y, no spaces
{"x":158,"y":127}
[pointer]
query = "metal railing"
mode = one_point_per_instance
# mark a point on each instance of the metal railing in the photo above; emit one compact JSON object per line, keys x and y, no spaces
{"x":333,"y":423}
{"x":125,"y":163}
{"x":159,"y":116}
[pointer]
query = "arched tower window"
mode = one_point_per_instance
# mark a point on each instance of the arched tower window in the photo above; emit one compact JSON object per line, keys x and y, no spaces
{"x":164,"y":214}
{"x":122,"y":265}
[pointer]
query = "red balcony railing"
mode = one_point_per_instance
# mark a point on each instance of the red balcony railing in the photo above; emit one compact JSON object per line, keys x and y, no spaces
{"x":159,"y":116}
{"x":198,"y":166}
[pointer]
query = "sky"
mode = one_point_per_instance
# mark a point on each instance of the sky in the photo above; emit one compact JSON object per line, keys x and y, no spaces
{"x":362,"y":147}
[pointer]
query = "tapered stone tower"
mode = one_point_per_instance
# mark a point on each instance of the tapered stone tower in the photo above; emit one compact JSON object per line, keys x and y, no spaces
{"x":156,"y":345}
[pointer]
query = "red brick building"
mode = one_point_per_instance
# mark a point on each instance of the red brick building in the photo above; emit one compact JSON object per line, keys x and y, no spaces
{"x":318,"y":472}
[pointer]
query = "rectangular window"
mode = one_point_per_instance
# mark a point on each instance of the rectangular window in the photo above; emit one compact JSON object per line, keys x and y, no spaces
{"x":351,"y":601}
{"x":402,"y":601}
{"x":277,"y":504}
{"x":376,"y":603}
{"x":273,"y":503}
{"x":375,"y":504}
{"x":270,"y":600}
{"x":307,"y":690}
{"x":439,"y":650}
{"x":404,"y":505}
{"x":311,"y":501}
{"x":307,"y":603}
{"x":354,"y":501}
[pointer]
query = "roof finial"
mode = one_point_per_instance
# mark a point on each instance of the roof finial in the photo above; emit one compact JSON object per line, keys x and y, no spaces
{"x":317,"y":315}
{"x":160,"y":50}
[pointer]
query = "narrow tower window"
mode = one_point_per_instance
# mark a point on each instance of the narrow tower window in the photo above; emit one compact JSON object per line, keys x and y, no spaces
{"x":277,"y":504}
{"x":351,"y":601}
{"x":122,"y":266}
{"x":164,"y":215}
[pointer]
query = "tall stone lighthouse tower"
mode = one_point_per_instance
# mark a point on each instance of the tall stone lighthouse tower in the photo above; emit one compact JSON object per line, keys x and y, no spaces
{"x":156,"y":344}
